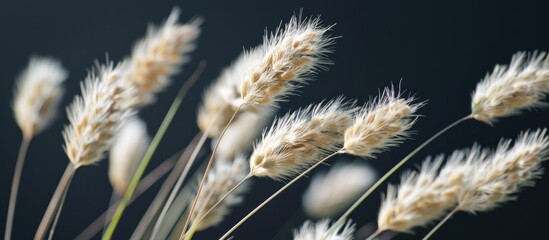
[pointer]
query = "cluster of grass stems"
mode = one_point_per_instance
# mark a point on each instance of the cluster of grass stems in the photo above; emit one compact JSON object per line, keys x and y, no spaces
{"x":235,"y":109}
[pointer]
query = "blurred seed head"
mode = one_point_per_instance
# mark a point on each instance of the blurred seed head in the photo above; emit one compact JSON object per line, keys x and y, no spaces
{"x":221,"y":179}
{"x":37,"y":94}
{"x":129,"y":146}
{"x":160,"y":55}
{"x":331,"y":193}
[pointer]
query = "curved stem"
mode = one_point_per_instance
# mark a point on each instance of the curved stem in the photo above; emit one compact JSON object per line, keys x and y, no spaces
{"x":182,"y":163}
{"x":393,"y":170}
{"x":215,"y":205}
{"x":150,"y":151}
{"x":15,"y":184}
{"x":448,"y":216}
{"x":52,"y":206}
{"x":177,"y":187}
{"x":374,"y":235}
{"x":208,"y":169}
{"x":61,"y":203}
{"x":278,"y":193}
{"x":143,"y":186}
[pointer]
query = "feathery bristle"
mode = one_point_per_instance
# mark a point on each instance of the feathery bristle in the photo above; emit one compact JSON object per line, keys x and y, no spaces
{"x":424,"y":196}
{"x":216,"y":109}
{"x":298,"y":140}
{"x":286,"y":61}
{"x":240,"y":135}
{"x":37,"y":95}
{"x":96,"y":115}
{"x":497,"y":178}
{"x":160,"y":55}
{"x":129,"y":146}
{"x":331,"y":193}
{"x":382,"y":123}
{"x":509,"y":89}
{"x":223,"y":177}
{"x":314,"y":231}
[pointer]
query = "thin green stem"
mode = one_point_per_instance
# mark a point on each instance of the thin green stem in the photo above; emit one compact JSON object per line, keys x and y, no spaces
{"x":208,"y":169}
{"x":143,"y":186}
{"x":52,"y":206}
{"x":61,"y":203}
{"x":448,"y":216}
{"x":150,"y":151}
{"x":15,"y":184}
{"x":181,"y":165}
{"x":390,"y":172}
{"x":278,"y":193}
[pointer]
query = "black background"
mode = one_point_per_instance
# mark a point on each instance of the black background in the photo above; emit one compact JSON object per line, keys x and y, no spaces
{"x":439,"y":49}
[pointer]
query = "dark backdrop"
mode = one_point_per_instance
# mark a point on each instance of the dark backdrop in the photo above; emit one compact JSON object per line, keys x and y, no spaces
{"x":439,"y":50}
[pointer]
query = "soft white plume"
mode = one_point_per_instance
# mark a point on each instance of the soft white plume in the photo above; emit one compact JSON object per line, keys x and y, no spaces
{"x":129,"y":146}
{"x":37,"y":94}
{"x":331,"y":193}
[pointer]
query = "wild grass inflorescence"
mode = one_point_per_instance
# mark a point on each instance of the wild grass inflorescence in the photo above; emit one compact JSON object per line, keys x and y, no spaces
{"x":238,"y":105}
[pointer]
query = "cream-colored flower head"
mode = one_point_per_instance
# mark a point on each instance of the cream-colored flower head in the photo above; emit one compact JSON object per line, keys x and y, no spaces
{"x":383,"y":122}
{"x":216,"y":109}
{"x":331,"y":193}
{"x":37,"y":94}
{"x":497,"y":178}
{"x":131,"y":142}
{"x":509,"y":89}
{"x":424,"y":196}
{"x":96,"y":115}
{"x":160,"y":55}
{"x":286,"y":61}
{"x":223,"y":177}
{"x":315,"y":231}
{"x":298,"y":140}
{"x":240,"y":135}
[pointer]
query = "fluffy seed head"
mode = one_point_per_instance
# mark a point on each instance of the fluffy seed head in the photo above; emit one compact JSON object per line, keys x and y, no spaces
{"x":509,"y":89}
{"x":298,"y":140}
{"x":499,"y":177}
{"x":383,"y":122}
{"x":216,"y":109}
{"x":329,"y":194}
{"x":286,"y":61}
{"x":160,"y":55}
{"x":96,"y":115}
{"x":223,"y":177}
{"x":315,"y":231}
{"x":423,"y":196}
{"x":129,"y":146}
{"x":240,"y":135}
{"x":37,"y":94}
